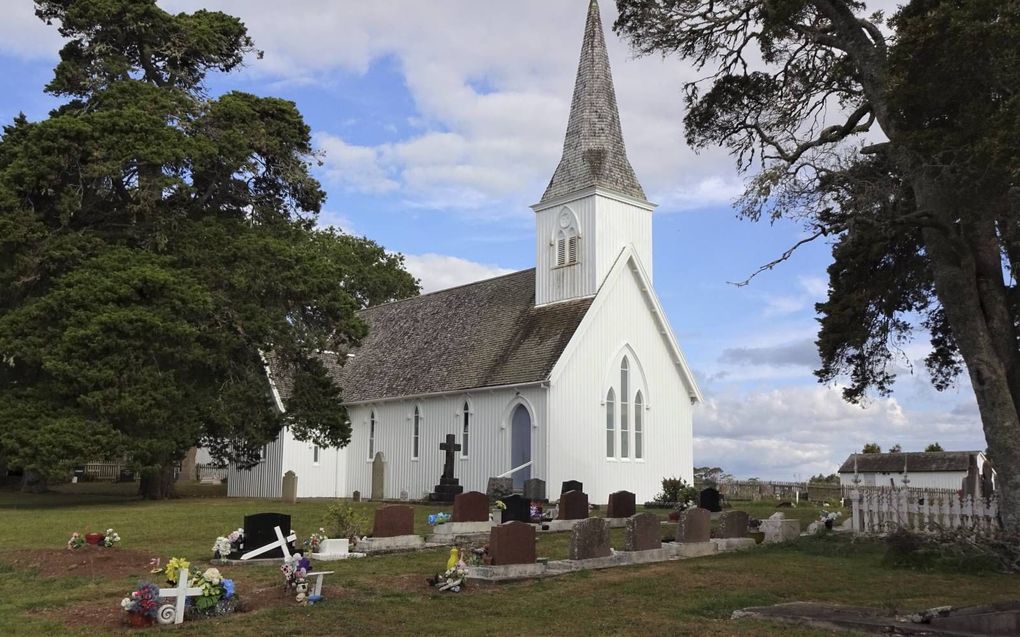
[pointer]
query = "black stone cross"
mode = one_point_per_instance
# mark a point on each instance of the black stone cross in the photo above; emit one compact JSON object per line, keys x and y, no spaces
{"x":450,"y":447}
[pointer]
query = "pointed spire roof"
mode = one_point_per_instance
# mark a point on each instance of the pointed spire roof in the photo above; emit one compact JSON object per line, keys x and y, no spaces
{"x":593,"y":150}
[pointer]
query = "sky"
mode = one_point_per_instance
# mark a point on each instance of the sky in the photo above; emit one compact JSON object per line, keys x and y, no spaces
{"x":440,"y":123}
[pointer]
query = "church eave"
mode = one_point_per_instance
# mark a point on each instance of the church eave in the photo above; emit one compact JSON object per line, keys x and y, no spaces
{"x":609,"y":193}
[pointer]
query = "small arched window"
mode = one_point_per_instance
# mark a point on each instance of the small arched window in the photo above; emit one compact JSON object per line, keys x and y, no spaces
{"x":315,"y":454}
{"x":567,"y":237}
{"x":371,"y":434}
{"x":624,"y":408}
{"x":639,"y":404}
{"x":417,"y":430}
{"x":610,"y":424}
{"x":465,"y":435}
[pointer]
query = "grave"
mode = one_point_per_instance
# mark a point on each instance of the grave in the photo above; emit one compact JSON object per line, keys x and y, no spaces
{"x":259,"y":531}
{"x":379,"y":476}
{"x":356,"y":496}
{"x":512,"y":543}
{"x":710,"y":499}
{"x":621,"y":505}
{"x":283,"y":544}
{"x":332,"y":550}
{"x":518,"y":509}
{"x":290,"y":487}
{"x":392,"y":530}
{"x":694,"y":526}
{"x":470,"y":517}
{"x":174,"y":613}
{"x":573,"y":505}
{"x":498,"y":488}
{"x":733,"y":524}
{"x":571,"y":485}
{"x":778,"y":529}
{"x":534,"y":489}
{"x":590,"y":539}
{"x":642,"y":533}
{"x":448,"y":486}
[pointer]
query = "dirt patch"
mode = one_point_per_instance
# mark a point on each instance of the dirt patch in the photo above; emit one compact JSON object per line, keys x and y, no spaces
{"x":88,"y":561}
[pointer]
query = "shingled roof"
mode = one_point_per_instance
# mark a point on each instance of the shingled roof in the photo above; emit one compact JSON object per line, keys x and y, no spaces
{"x":593,"y":150}
{"x":915,"y":461}
{"x":485,"y":334}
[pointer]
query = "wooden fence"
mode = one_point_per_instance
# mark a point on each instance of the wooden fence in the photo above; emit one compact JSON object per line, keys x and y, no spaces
{"x":780,"y":491}
{"x":882,"y":510}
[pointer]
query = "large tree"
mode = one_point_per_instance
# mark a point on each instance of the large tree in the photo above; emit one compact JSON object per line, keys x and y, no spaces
{"x":897,"y":139}
{"x":157,"y":246}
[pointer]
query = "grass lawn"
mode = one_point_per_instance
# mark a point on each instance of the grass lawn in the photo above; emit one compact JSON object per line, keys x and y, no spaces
{"x":387,"y":595}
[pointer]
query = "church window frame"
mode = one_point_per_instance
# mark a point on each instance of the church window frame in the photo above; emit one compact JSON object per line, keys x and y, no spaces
{"x":371,"y":435}
{"x":465,"y":436}
{"x":566,"y":240}
{"x":639,"y":426}
{"x":416,"y":433}
{"x":611,"y":424}
{"x":315,"y":455}
{"x":624,"y":409}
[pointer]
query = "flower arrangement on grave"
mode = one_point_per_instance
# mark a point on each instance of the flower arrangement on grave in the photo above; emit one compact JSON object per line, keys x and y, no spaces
{"x":76,"y":542}
{"x":535,"y":511}
{"x":828,"y":518}
{"x":142,"y":604}
{"x":106,"y":540}
{"x":314,"y":541}
{"x":217,"y":596}
{"x":295,"y":576}
{"x":438,"y":518}
{"x":110,"y":538}
{"x":227,"y":544}
{"x":501,"y":505}
{"x":454,"y":578}
{"x":173,"y":567}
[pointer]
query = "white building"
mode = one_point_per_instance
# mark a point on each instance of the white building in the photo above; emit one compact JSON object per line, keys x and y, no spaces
{"x":966,"y":471}
{"x":570,"y":366}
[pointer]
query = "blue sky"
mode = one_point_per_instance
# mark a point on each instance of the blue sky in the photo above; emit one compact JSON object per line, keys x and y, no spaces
{"x":440,"y":123}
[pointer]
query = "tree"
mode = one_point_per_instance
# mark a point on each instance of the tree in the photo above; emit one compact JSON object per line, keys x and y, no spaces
{"x":896,"y":449}
{"x":934,"y":448}
{"x":832,"y":478}
{"x":713,"y":475}
{"x":871,"y":447}
{"x":915,"y":183}
{"x":157,"y":245}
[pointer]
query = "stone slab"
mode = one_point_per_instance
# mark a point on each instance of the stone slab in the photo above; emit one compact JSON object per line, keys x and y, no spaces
{"x":461,"y":528}
{"x":693,"y":549}
{"x":557,"y":526}
{"x":779,"y":530}
{"x":391,"y":544}
{"x":734,"y":543}
{"x":335,"y":557}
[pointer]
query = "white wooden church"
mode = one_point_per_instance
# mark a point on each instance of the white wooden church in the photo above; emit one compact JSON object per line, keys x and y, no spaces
{"x":567,"y":371}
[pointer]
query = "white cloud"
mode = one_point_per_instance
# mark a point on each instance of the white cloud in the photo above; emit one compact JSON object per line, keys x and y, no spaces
{"x":440,"y":271}
{"x":356,"y":168}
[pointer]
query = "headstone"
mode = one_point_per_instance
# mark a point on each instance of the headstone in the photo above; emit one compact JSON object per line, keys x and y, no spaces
{"x":174,"y":613}
{"x":534,"y":489}
{"x":733,"y":524}
{"x":356,"y":496}
{"x":571,"y":485}
{"x":290,"y":487}
{"x":518,"y":509}
{"x":590,"y":538}
{"x":403,"y":496}
{"x":393,"y":520}
{"x":512,"y":543}
{"x":779,"y":529}
{"x":283,"y":543}
{"x":642,"y":533}
{"x":573,"y":505}
{"x":695,"y":525}
{"x":471,"y":507}
{"x":498,"y":488}
{"x":259,"y":531}
{"x":621,"y":505}
{"x":710,"y":499}
{"x":379,"y":476}
{"x":448,"y":486}
{"x":189,"y":466}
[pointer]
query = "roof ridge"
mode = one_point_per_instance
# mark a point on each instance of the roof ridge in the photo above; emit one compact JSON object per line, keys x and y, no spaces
{"x":450,"y":289}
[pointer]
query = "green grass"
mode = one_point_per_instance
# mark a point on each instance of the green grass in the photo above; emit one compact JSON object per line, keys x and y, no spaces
{"x":386,"y":594}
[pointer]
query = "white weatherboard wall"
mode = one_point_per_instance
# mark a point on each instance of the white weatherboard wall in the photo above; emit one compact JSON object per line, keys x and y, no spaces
{"x":621,"y":319}
{"x":264,"y":480}
{"x":489,"y":448}
{"x":919,"y":480}
{"x":323,"y":479}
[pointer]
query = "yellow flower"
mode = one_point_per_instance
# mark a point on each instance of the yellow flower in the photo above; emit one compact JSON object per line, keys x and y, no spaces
{"x":174,"y":566}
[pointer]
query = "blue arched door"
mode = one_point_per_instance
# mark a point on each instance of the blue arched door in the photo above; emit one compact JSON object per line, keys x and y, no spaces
{"x":520,"y":444}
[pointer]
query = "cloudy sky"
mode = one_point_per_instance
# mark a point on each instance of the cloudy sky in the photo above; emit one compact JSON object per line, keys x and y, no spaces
{"x":441,"y":122}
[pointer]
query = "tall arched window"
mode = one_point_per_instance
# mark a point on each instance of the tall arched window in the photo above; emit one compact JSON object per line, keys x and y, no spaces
{"x":371,"y":434}
{"x":417,"y":427}
{"x":566,"y":239}
{"x":610,"y":424}
{"x":464,"y":436}
{"x":639,"y":404}
{"x":624,"y":408}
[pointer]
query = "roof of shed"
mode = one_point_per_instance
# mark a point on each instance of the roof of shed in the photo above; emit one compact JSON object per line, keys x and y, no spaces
{"x":915,"y":461}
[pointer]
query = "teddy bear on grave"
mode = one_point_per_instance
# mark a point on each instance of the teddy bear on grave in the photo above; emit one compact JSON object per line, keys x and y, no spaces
{"x":302,"y":592}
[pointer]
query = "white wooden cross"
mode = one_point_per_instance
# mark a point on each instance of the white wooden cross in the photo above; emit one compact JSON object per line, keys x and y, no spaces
{"x":281,"y":543}
{"x":182,"y":593}
{"x":317,"y":588}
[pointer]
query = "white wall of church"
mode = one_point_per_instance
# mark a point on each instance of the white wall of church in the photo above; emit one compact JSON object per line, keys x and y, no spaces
{"x":488,"y":448}
{"x":620,"y":320}
{"x":264,"y":480}
{"x":319,"y":475}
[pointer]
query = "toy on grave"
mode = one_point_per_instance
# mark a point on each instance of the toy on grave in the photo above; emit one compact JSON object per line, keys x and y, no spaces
{"x":455,"y":576}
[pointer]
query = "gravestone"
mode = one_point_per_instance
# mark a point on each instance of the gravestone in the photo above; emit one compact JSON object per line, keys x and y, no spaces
{"x":290,"y":487}
{"x":379,"y":476}
{"x":573,"y":505}
{"x":695,"y":525}
{"x":471,"y":507}
{"x":448,"y":486}
{"x":710,"y":499}
{"x":733,"y":524}
{"x":518,"y":509}
{"x":642,"y":533}
{"x":778,"y":529}
{"x":356,"y":496}
{"x":393,"y":520}
{"x":403,"y":496}
{"x":621,"y":505}
{"x":499,"y":488}
{"x":512,"y":543}
{"x":259,"y":530}
{"x":534,"y":489}
{"x":571,"y":485}
{"x":590,"y":538}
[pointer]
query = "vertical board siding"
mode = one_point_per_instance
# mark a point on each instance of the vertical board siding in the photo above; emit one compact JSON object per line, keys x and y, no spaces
{"x":264,"y":480}
{"x":327,"y":479}
{"x":919,"y":480}
{"x":577,"y":417}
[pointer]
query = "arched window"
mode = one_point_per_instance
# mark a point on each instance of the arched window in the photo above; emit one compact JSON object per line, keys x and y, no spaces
{"x":417,"y":427}
{"x":639,"y":404}
{"x":611,"y":424}
{"x":624,"y":408}
{"x":371,"y":434}
{"x":567,"y":237}
{"x":465,"y":436}
{"x":315,"y":454}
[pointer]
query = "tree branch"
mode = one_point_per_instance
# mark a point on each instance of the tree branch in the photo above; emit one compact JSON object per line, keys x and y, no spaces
{"x":785,"y":256}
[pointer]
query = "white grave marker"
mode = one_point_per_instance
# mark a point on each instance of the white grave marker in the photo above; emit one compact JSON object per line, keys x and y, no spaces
{"x":317,"y":588}
{"x":281,"y":543}
{"x":175,"y":612}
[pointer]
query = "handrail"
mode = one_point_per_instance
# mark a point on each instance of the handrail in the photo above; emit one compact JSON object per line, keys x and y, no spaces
{"x":514,"y":470}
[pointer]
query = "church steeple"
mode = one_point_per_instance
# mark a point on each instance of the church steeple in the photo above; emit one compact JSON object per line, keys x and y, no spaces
{"x":593,"y":150}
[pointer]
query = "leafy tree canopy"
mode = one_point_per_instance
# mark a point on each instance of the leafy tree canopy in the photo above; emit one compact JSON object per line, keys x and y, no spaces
{"x":933,"y":448}
{"x":871,"y":447}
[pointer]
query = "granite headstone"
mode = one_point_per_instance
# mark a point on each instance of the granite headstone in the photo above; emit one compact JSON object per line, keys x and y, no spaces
{"x":393,"y":520}
{"x":259,"y":531}
{"x":642,"y":533}
{"x":472,"y":506}
{"x":518,"y":509}
{"x":590,"y":538}
{"x":512,"y":543}
{"x":710,"y":499}
{"x":733,"y":524}
{"x":621,"y":505}
{"x":695,"y":525}
{"x":573,"y":505}
{"x":534,"y":489}
{"x":571,"y":485}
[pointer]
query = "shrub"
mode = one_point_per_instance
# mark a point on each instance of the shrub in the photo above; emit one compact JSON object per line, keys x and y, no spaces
{"x":343,"y":520}
{"x":954,"y":549}
{"x":676,"y":490}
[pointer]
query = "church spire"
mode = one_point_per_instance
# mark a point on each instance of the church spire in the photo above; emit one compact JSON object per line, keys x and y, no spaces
{"x":593,"y":150}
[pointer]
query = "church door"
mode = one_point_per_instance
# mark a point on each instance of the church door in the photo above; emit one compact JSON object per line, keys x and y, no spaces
{"x":520,"y":444}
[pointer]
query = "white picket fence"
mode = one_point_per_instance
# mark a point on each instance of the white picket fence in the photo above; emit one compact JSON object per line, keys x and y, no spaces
{"x":921,"y":510}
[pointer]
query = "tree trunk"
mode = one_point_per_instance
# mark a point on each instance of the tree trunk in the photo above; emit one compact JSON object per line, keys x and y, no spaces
{"x":33,"y":482}
{"x":157,"y":482}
